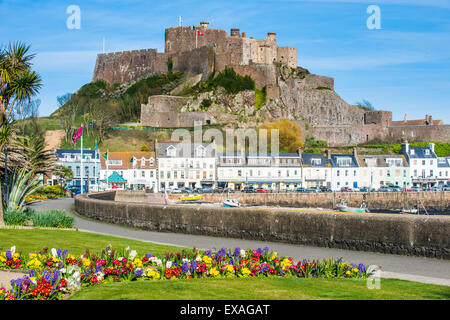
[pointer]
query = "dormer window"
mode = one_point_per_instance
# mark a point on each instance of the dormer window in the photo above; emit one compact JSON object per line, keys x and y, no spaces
{"x":171,"y":151}
{"x":316,"y":162}
{"x":412,"y":151}
{"x":427,"y":152}
{"x":344,"y":162}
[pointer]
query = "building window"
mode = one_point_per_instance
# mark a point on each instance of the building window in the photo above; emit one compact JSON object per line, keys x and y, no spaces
{"x":239,"y":173}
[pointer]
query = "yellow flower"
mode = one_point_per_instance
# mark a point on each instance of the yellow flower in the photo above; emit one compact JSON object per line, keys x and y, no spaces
{"x":137,"y":263}
{"x":229,"y":268}
{"x":214,"y":272}
{"x":207,"y":260}
{"x":245,"y":271}
{"x":348,"y":272}
{"x":286,"y":263}
{"x":86,"y":262}
{"x":2,"y":259}
{"x":355,"y":270}
{"x":274,"y":256}
{"x":34,"y":263}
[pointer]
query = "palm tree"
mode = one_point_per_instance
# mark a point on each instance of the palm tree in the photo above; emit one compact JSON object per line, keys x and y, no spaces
{"x":36,"y":157}
{"x":18,"y":84}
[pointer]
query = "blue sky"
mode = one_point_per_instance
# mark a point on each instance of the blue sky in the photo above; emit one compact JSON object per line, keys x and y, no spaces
{"x":404,"y":67}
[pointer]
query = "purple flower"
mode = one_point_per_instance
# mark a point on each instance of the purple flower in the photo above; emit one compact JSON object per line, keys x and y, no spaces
{"x":32,"y":273}
{"x":58,"y":253}
{"x":194,"y":265}
{"x":266,"y":249}
{"x":47,"y":276}
{"x":237,"y":251}
{"x":149,"y":255}
{"x":185,"y":267}
{"x":207,"y":253}
{"x":16,"y":283}
{"x":221,"y":252}
{"x":139,"y":272}
{"x":98,"y":268}
{"x":64,"y":254}
{"x":362,"y":268}
{"x":56,"y":275}
{"x":8,"y":255}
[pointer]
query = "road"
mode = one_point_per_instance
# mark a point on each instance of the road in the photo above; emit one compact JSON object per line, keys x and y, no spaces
{"x":419,"y":269}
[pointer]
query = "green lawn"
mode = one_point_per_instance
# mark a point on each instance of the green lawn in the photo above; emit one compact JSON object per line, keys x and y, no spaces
{"x":77,"y":242}
{"x":228,"y":289}
{"x":262,"y":289}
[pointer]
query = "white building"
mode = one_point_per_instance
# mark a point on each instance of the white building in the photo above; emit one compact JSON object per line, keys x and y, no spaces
{"x":182,"y":164}
{"x":129,"y":170}
{"x":383,"y":170}
{"x":344,"y":171}
{"x":423,"y":163}
{"x":276,"y":172}
{"x":316,"y":169}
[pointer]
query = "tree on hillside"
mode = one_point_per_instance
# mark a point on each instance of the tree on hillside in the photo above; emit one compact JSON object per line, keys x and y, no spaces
{"x":366,"y":105}
{"x":18,"y":84}
{"x":291,"y":135}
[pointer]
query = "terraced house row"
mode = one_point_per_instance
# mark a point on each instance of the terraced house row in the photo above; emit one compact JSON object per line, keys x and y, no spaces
{"x":196,"y":165}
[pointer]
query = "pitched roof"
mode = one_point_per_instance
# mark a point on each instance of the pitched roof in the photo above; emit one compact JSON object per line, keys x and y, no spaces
{"x":126,"y":157}
{"x":308,"y":157}
{"x":184,"y":149}
{"x":116,"y":178}
{"x":421,"y":153}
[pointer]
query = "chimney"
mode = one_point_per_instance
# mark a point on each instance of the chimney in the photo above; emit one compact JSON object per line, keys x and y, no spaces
{"x":244,"y":35}
{"x":405,"y":147}
{"x":355,"y":151}
{"x":328,"y":153}
{"x":235,"y":32}
{"x":406,"y":118}
{"x":300,"y":151}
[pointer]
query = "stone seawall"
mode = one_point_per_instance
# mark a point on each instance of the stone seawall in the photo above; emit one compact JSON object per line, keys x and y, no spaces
{"x":397,"y":234}
{"x":433,"y":201}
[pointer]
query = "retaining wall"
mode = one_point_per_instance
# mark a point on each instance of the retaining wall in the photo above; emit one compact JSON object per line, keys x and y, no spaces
{"x":397,"y":234}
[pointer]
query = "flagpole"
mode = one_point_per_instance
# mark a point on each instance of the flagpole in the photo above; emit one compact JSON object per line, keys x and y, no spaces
{"x":81,"y":164}
{"x":107,"y":178}
{"x":196,"y":38}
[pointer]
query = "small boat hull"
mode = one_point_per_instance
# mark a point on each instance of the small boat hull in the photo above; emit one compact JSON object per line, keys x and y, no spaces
{"x":231,"y":203}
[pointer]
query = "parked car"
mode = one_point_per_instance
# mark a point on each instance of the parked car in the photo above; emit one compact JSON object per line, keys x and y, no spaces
{"x":249,"y":190}
{"x":435,"y":189}
{"x":314,"y":190}
{"x":325,"y":189}
{"x":262,"y":190}
{"x":445,"y":188}
{"x":385,"y":189}
{"x":416,"y":189}
{"x":77,"y":189}
{"x":346,"y":189}
{"x":173,"y":190}
{"x":396,"y":188}
{"x":302,"y":190}
{"x":187,"y":190}
{"x":364,"y":189}
{"x":205,"y":190}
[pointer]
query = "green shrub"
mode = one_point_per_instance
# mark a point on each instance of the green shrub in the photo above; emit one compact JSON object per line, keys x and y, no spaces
{"x":206,"y":103}
{"x":231,"y":82}
{"x":14,"y":217}
{"x":260,"y":97}
{"x":52,"y":219}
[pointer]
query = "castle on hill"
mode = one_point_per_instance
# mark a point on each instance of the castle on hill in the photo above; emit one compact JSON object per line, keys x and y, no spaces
{"x":291,"y":93}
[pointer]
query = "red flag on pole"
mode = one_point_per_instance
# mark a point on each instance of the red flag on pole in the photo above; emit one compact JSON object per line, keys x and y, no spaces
{"x":77,"y":135}
{"x":200,"y":34}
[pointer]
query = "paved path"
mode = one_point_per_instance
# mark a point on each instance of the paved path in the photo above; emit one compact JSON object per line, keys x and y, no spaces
{"x":393,"y":266}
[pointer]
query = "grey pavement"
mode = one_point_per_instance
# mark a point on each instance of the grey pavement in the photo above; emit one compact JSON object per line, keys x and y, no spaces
{"x":419,"y":269}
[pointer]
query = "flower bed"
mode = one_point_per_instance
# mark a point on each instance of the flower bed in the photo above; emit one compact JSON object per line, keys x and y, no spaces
{"x":51,"y":275}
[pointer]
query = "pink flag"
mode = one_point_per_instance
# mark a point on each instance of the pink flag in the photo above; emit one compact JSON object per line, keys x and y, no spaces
{"x":77,"y":135}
